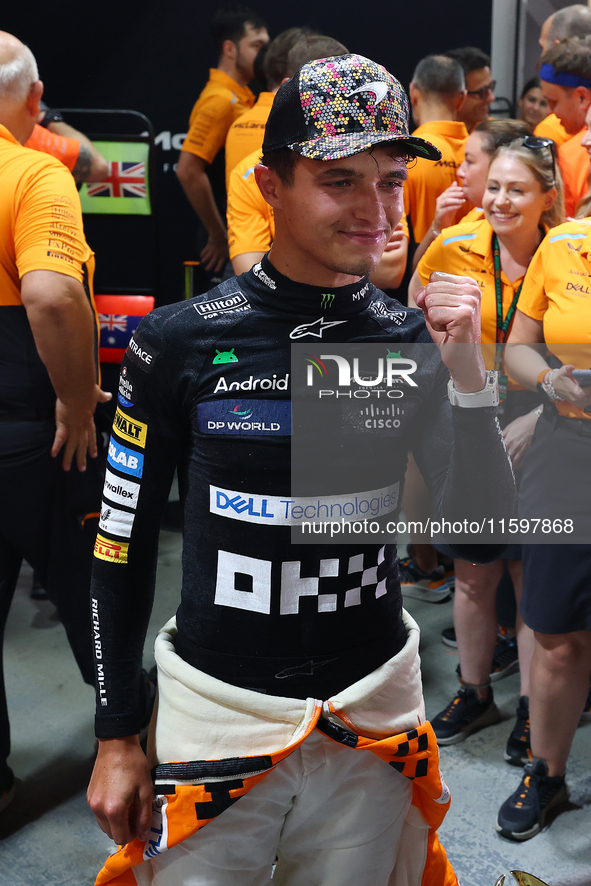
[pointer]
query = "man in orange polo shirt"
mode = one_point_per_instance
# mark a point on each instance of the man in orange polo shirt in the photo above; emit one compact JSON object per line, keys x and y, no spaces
{"x":479,"y":86}
{"x":565,"y":72}
{"x":437,"y":92}
{"x":238,"y":36}
{"x":572,"y":21}
{"x":245,"y":135}
{"x":48,"y":372}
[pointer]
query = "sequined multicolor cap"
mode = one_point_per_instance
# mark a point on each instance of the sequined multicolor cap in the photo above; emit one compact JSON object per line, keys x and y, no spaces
{"x":336,"y":107}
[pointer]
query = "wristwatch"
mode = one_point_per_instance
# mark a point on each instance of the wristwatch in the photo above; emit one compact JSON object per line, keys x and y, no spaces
{"x":488,"y":396}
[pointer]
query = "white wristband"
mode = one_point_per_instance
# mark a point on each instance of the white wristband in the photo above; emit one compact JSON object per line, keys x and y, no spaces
{"x":488,"y":396}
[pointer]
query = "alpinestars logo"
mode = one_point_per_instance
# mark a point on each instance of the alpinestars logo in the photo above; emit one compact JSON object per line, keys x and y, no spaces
{"x":316,"y":328}
{"x":377,"y":87}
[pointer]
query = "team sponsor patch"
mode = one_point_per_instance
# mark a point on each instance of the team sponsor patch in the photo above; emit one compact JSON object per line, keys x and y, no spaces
{"x":263,"y":277}
{"x":109,"y":550}
{"x":116,"y":522}
{"x":141,"y":354}
{"x":315,"y":329}
{"x":236,"y":301}
{"x":245,"y":417}
{"x":134,"y":431}
{"x":277,"y":510}
{"x":124,"y":492}
{"x":124,"y":459}
{"x":381,"y":310}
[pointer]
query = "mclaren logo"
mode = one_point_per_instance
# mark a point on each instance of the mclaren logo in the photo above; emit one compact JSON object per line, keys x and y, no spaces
{"x":377,"y":87}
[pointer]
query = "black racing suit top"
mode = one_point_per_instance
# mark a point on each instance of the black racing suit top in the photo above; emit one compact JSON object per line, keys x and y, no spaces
{"x":205,"y":386}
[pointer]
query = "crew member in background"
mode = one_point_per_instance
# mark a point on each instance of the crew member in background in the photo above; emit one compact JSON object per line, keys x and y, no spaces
{"x":245,"y":135}
{"x":48,"y":376}
{"x":565,"y":72}
{"x":480,"y":89}
{"x":251,"y":226}
{"x":437,"y":92}
{"x":52,"y":135}
{"x":238,"y":34}
{"x":572,"y":21}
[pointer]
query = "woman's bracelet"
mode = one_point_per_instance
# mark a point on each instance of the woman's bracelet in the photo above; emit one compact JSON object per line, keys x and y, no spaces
{"x":546,"y":380}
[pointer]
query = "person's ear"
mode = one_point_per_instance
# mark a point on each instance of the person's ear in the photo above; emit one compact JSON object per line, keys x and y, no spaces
{"x":268,"y":182}
{"x":34,"y":98}
{"x":229,"y":50}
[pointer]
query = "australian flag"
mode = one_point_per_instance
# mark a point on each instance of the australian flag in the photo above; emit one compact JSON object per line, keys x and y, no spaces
{"x":117,"y":329}
{"x":123,"y":180}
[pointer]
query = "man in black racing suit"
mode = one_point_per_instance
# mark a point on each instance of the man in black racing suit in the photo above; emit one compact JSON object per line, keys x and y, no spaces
{"x":205,"y":386}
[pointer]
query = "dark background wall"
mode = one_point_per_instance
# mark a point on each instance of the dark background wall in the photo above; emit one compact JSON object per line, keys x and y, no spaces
{"x":154,"y":58}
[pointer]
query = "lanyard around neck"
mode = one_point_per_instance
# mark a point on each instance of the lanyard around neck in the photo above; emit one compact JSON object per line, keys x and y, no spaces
{"x":502,"y":325}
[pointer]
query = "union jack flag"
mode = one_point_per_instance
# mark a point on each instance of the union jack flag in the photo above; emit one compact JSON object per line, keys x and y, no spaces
{"x":113,"y":321}
{"x":124,"y":180}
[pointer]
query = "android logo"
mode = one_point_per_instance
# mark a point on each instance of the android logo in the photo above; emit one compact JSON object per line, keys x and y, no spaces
{"x":393,"y":355}
{"x":225,"y":357}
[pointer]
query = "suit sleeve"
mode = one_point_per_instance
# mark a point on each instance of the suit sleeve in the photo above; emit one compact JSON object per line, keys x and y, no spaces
{"x":148,"y":435}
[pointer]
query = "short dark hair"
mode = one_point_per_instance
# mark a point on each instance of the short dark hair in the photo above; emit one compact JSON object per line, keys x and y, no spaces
{"x":572,"y":21}
{"x":471,"y":58}
{"x":275,"y":64}
{"x":571,"y":56}
{"x":503,"y":129}
{"x":532,"y":83}
{"x":283,"y":162}
{"x":439,"y":74}
{"x":310,"y":48}
{"x":229,"y":23}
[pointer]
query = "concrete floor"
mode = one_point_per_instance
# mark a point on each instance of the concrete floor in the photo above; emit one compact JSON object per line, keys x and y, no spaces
{"x":48,"y":835}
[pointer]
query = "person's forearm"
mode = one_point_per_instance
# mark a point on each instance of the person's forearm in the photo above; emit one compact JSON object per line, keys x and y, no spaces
{"x":421,"y":249}
{"x":64,"y":331}
{"x":197,"y":188}
{"x":524,"y":363}
{"x":91,"y":166}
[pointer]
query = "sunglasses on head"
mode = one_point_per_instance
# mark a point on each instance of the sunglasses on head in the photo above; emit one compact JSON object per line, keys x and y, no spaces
{"x":484,"y":90}
{"x":534,"y":143}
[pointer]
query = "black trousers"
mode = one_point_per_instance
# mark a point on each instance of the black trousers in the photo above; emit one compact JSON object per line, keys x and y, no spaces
{"x":45,"y":519}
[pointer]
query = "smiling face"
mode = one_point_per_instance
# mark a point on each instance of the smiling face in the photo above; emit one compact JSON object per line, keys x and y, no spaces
{"x":334,"y":220}
{"x":513,"y":200}
{"x":534,"y":106}
{"x":473,"y":169}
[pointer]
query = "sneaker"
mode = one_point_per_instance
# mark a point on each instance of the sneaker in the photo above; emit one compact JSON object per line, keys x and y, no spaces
{"x":431,"y":587}
{"x":448,"y":638}
{"x":465,"y":714}
{"x":505,"y":658}
{"x":518,"y":750}
{"x":523,"y":815}
{"x":586,"y":715}
{"x":8,"y":790}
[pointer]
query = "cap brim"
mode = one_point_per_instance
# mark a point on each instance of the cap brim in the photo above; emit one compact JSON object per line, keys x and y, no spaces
{"x":336,"y":147}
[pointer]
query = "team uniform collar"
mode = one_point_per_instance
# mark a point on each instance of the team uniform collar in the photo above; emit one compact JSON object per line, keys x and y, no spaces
{"x":7,"y":134}
{"x":287,"y":295}
{"x":223,"y":79}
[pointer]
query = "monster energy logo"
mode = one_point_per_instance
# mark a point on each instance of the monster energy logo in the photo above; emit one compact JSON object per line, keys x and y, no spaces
{"x":326,"y":299}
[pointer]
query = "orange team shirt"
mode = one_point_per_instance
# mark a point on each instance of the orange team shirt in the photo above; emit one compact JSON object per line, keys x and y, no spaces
{"x":40,"y":219}
{"x":551,"y":127}
{"x":466,"y":249}
{"x":65,"y":149}
{"x":250,"y":219}
{"x":573,"y":160}
{"x":557,"y":291}
{"x":220,"y":103}
{"x":245,"y":135}
{"x":427,"y":179}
